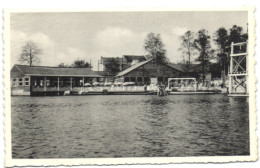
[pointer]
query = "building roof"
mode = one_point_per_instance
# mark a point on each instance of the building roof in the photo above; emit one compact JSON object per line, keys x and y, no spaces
{"x":55,"y":71}
{"x":130,"y":58}
{"x":177,"y":66}
{"x":132,"y":68}
{"x":140,"y":64}
{"x":105,"y":73}
{"x":125,"y":59}
{"x":182,"y":67}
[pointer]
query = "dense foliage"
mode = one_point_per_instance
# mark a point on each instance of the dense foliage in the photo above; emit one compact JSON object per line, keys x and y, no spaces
{"x":209,"y":60}
{"x":77,"y":64}
{"x":113,"y":65}
{"x":154,"y":46}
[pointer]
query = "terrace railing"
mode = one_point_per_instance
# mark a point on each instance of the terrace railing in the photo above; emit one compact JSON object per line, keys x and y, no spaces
{"x":109,"y":89}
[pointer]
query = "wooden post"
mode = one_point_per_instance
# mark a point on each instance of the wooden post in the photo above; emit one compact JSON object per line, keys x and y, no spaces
{"x":143,"y":73}
{"x":45,"y":84}
{"x":230,"y":85}
{"x":232,"y":49}
{"x":58,"y":85}
{"x":231,"y":69}
{"x":83,"y":81}
{"x":195,"y":85}
{"x":231,"y":65}
{"x":31,"y":85}
{"x":70,"y":83}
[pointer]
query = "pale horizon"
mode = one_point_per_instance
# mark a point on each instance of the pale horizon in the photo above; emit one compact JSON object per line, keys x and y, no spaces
{"x":65,"y":37}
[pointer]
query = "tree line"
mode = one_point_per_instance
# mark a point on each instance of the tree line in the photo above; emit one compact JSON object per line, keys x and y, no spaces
{"x":78,"y":63}
{"x":196,"y":45}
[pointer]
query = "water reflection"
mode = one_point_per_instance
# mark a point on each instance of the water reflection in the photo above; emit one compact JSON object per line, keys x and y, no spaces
{"x":129,"y":126}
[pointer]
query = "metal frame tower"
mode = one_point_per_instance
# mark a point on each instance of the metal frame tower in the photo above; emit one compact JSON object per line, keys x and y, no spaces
{"x":238,"y":74}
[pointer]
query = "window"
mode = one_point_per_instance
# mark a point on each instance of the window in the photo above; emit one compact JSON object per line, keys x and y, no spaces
{"x":139,"y":79}
{"x":126,"y":79}
{"x":41,"y":83}
{"x":81,"y":82}
{"x":160,"y":79}
{"x":14,"y":82}
{"x":101,"y":79}
{"x":48,"y":83}
{"x":133,"y":79}
{"x":20,"y":81}
{"x":146,"y":79}
{"x":35,"y":83}
{"x":26,"y":81}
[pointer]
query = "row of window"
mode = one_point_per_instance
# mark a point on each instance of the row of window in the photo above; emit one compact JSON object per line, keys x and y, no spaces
{"x":54,"y":83}
{"x":21,"y":82}
{"x":143,"y":79}
{"x":62,"y":82}
{"x":40,"y":82}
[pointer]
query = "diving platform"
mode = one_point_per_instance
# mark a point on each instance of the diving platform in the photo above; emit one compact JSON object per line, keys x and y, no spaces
{"x":238,"y":73}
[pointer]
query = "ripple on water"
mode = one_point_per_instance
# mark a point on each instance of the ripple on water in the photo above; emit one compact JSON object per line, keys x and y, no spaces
{"x":129,"y":126}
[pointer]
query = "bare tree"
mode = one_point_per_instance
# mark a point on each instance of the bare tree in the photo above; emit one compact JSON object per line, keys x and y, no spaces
{"x":30,"y":53}
{"x":187,"y":50}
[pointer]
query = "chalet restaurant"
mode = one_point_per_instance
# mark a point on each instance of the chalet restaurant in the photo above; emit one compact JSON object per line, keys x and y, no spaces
{"x":32,"y":80}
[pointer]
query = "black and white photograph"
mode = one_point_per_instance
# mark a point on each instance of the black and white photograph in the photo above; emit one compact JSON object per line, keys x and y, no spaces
{"x":163,"y":84}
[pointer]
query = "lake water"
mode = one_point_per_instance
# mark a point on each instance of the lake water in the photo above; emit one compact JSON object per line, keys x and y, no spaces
{"x":129,"y":126}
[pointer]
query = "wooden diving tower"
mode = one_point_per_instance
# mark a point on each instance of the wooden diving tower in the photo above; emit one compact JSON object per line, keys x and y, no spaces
{"x":238,"y":73}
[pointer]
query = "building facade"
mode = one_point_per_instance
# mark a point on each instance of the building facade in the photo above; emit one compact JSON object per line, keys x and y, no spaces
{"x":37,"y":80}
{"x":147,"y":72}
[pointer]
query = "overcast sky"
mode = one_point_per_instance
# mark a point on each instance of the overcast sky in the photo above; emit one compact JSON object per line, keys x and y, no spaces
{"x":64,"y":37}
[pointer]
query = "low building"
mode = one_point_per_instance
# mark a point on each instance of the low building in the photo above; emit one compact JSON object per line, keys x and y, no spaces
{"x":147,"y":72}
{"x":37,"y":80}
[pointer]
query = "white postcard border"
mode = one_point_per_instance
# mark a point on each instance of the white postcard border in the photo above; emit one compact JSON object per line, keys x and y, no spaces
{"x":119,"y":161}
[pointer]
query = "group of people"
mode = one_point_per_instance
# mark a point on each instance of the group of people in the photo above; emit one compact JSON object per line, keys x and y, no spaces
{"x":162,"y":90}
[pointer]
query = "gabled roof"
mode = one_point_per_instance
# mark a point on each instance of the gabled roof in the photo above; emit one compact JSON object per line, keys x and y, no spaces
{"x":181,"y":67}
{"x":141,"y":64}
{"x":132,"y":68}
{"x":55,"y":71}
{"x":177,"y":66}
{"x":130,"y":58}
